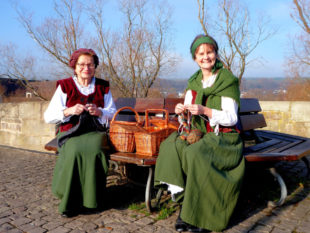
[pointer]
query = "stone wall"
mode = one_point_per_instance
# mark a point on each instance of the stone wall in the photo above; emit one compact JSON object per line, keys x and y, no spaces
{"x":22,"y":124}
{"x":292,"y":117}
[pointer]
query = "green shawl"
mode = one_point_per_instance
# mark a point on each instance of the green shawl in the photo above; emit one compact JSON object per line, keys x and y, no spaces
{"x":226,"y":84}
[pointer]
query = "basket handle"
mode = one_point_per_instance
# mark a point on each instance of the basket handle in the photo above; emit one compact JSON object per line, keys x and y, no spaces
{"x":126,"y":107}
{"x":156,"y":110}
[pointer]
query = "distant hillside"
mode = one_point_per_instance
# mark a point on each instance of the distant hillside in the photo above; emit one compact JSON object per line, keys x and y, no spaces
{"x":178,"y":84}
{"x":263,"y":83}
{"x":247,"y":83}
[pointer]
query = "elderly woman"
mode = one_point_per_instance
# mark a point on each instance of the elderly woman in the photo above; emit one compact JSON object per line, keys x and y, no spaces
{"x":205,"y":175}
{"x":80,"y":172}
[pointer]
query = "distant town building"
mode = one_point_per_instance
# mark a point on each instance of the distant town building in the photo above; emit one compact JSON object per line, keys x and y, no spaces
{"x":12,"y":90}
{"x":181,"y":94}
{"x":279,"y":91}
{"x":28,"y":94}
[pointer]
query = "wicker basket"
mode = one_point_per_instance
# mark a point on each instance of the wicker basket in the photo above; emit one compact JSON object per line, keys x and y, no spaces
{"x":159,"y":122}
{"x":122,"y":132}
{"x":148,"y":141}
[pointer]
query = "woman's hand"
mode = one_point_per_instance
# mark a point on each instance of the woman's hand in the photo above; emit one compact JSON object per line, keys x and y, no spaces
{"x":198,"y":109}
{"x":179,"y":108}
{"x":93,"y":110}
{"x":74,"y":110}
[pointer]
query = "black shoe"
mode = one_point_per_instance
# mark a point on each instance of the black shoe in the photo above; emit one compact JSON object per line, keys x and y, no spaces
{"x":69,"y":214}
{"x":192,"y":228}
{"x":89,"y":211}
{"x":180,"y":225}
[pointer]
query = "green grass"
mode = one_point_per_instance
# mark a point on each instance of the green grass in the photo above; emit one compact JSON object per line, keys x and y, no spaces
{"x":139,"y":207}
{"x":136,"y":206}
{"x":166,"y":210}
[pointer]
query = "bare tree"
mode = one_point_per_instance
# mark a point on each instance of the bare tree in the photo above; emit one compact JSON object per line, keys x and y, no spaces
{"x":299,"y":59}
{"x":301,"y":14}
{"x":59,"y":35}
{"x":241,"y":37}
{"x":2,"y":91}
{"x":134,"y":58}
{"x":202,"y":16}
{"x":16,"y":67}
{"x":298,"y":89}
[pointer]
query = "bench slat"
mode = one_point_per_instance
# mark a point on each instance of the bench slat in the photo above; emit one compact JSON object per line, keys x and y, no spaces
{"x":263,"y":145}
{"x":248,"y":105}
{"x":281,"y":136}
{"x":270,"y":157}
{"x":51,"y":145}
{"x":133,"y":158}
{"x":139,"y":104}
{"x":170,"y":103}
{"x":283,"y":146}
{"x":291,"y":148}
{"x":301,"y":150}
{"x":249,"y":122}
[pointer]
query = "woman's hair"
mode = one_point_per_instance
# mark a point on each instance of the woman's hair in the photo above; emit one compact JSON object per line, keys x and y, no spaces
{"x":76,"y":54}
{"x":202,"y":39}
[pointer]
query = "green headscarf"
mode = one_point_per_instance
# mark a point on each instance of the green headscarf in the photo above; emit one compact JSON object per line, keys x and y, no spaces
{"x":226,"y":84}
{"x":206,"y":40}
{"x":202,"y":40}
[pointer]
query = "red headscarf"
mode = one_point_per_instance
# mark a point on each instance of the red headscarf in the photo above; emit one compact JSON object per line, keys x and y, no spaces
{"x":76,"y":54}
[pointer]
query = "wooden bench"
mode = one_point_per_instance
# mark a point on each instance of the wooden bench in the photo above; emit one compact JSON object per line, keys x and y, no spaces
{"x":267,"y":148}
{"x":260,"y":146}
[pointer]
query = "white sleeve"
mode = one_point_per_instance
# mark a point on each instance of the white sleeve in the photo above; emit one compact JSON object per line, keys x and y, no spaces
{"x":108,"y":110}
{"x":54,"y":112}
{"x":228,"y":116}
{"x":188,"y":97}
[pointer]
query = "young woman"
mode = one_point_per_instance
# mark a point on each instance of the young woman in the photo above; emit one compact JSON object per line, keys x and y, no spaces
{"x":205,"y":176}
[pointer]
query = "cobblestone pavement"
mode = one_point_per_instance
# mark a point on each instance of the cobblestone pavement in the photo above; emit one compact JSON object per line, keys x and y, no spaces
{"x":27,"y":204}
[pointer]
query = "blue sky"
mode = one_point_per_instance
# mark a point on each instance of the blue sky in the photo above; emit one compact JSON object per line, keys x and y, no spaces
{"x":186,"y":26}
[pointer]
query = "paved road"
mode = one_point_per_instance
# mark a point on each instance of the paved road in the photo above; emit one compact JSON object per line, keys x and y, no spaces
{"x":27,"y":204}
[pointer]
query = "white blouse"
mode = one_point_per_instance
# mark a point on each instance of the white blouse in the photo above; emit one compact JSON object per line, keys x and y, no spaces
{"x":54,"y":112}
{"x":228,"y":116}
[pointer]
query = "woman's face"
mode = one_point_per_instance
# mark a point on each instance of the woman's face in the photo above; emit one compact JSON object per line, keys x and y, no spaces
{"x":85,"y":67}
{"x":205,"y":57}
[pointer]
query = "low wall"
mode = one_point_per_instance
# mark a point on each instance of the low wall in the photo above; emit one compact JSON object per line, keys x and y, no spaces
{"x":22,"y":124}
{"x":292,"y":117}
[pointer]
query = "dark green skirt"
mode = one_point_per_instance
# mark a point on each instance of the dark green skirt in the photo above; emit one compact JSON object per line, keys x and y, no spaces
{"x":210,"y":171}
{"x":80,"y":172}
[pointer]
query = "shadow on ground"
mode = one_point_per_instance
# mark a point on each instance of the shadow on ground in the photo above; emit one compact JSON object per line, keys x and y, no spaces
{"x":125,"y":190}
{"x":260,"y":187}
